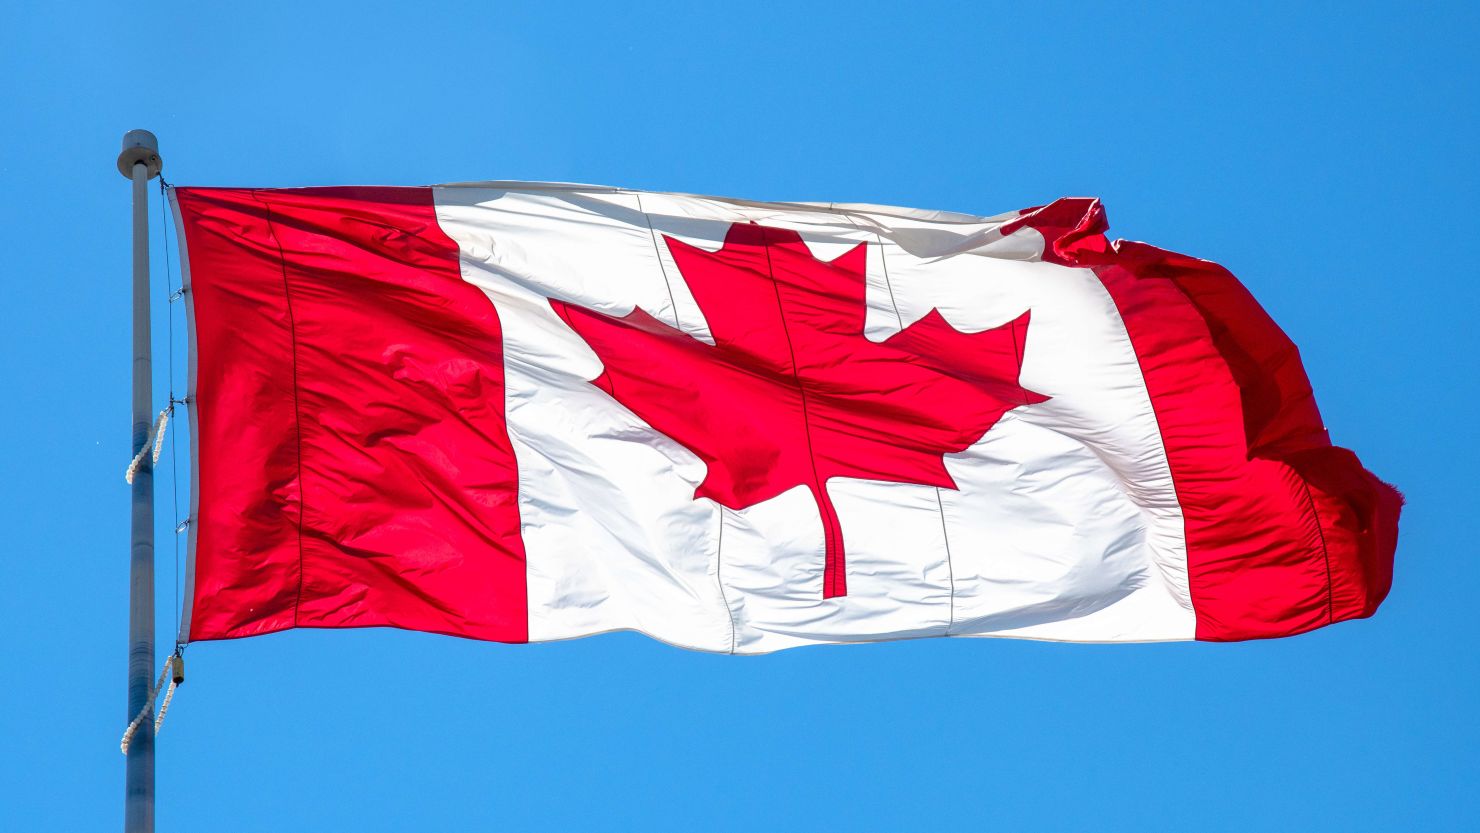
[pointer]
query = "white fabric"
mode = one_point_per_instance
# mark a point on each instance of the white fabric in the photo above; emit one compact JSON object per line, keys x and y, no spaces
{"x":1065,"y":525}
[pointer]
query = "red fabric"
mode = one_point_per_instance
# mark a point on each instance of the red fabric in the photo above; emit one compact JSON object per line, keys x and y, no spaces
{"x":791,"y":392}
{"x":354,"y":464}
{"x":1285,"y":533}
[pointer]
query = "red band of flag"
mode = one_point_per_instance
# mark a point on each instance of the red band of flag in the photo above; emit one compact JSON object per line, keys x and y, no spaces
{"x":340,"y":361}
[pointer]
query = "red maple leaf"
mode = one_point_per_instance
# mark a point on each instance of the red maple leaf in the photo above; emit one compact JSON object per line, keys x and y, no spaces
{"x":791,"y":392}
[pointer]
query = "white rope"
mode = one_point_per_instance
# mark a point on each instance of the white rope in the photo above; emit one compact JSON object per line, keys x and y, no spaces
{"x":156,"y":434}
{"x":164,"y":706}
{"x":133,"y":726}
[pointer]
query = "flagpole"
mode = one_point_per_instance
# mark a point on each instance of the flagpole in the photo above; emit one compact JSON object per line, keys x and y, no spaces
{"x":140,"y":162}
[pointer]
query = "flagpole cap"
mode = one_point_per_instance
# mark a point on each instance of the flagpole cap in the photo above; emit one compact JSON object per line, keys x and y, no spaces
{"x":139,"y":146}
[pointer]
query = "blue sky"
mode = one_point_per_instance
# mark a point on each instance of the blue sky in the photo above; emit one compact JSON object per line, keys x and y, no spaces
{"x":1327,"y":154}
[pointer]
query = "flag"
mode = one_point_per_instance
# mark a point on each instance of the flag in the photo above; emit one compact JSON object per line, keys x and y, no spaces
{"x":528,"y":412}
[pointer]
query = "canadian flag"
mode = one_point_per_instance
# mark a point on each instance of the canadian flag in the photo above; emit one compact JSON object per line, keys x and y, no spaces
{"x":527,"y":412}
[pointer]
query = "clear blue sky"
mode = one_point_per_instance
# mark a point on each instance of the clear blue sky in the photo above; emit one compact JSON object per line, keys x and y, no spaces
{"x":1328,"y":155}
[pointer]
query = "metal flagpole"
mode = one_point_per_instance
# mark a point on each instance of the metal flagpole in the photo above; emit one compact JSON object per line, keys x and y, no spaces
{"x":140,"y":162}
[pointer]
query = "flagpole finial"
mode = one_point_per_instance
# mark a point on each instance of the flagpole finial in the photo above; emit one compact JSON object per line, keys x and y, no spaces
{"x":139,"y":146}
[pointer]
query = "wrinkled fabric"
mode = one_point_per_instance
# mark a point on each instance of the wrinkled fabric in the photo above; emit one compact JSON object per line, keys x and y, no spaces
{"x":526,"y":412}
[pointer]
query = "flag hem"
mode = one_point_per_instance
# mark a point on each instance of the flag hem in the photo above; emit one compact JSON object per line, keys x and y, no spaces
{"x":187,"y":593}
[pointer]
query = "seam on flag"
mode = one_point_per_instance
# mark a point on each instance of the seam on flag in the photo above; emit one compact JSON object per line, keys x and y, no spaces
{"x":1177,"y":486}
{"x":820,"y":496}
{"x":662,"y":267}
{"x":297,"y":407}
{"x":719,"y":566}
{"x":940,"y":508}
{"x":1315,"y":515}
{"x":945,"y":536}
